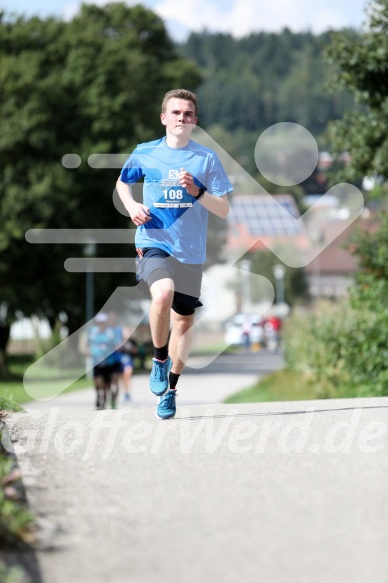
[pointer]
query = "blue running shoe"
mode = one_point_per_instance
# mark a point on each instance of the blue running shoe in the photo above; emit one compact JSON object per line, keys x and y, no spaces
{"x":167,"y":407}
{"x":159,"y":376}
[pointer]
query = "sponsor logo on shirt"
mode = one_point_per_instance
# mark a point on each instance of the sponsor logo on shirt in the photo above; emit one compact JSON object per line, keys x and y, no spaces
{"x":173,"y":174}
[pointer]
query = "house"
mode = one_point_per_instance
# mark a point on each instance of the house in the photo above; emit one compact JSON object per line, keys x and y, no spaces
{"x":261,"y":220}
{"x":330,"y":273}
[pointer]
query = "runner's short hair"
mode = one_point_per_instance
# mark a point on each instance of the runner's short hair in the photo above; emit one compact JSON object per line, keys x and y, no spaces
{"x":180,"y":94}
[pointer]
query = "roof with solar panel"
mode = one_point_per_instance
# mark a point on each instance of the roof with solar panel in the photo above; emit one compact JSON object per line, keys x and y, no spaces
{"x":253,"y":220}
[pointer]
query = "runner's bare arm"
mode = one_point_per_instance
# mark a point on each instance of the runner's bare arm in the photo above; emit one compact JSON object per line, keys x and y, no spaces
{"x":138,"y":212}
{"x":219,"y":205}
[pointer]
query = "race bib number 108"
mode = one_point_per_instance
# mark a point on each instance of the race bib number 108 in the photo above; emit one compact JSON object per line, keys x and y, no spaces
{"x":175,"y":198}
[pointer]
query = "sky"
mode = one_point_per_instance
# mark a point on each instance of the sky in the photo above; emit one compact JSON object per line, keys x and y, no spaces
{"x":236,"y":17}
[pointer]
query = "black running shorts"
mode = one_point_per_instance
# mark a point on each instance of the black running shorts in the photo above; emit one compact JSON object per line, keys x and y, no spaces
{"x":157,"y":264}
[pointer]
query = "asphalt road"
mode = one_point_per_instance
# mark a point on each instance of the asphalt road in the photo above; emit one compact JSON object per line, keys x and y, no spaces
{"x":205,"y":380}
{"x":265,"y":492}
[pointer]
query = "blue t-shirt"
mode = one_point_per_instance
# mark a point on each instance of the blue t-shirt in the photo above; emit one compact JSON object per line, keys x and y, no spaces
{"x":179,"y":222}
{"x":118,"y":334}
{"x":102,"y":344}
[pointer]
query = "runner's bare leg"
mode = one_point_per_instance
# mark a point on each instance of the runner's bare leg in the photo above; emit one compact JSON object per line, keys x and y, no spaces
{"x":180,"y":340}
{"x":162,"y":292}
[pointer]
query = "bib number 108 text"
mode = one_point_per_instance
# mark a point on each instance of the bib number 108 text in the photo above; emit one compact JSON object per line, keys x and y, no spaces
{"x":173,"y":194}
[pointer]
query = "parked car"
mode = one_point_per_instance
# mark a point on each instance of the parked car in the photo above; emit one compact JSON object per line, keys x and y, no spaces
{"x":244,"y":330}
{"x":233,"y":334}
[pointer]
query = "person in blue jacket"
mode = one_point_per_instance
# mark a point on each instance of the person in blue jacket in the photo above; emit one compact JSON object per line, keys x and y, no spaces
{"x":183,"y":182}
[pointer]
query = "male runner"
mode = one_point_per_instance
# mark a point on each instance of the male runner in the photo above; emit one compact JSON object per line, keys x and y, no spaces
{"x":183,"y":181}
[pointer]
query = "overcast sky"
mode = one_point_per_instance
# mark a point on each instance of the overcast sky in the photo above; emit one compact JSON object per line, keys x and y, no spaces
{"x":237,"y":17}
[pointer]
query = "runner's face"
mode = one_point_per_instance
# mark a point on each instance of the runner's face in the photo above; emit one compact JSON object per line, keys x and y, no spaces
{"x":179,"y":117}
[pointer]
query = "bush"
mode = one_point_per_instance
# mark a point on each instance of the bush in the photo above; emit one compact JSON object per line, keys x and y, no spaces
{"x":343,"y":348}
{"x":313,"y":344}
{"x":367,"y":350}
{"x":343,"y":351}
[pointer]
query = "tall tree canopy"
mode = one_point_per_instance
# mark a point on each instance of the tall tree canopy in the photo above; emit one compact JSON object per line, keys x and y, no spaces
{"x":91,"y":85}
{"x":362,"y":68}
{"x":264,"y":78}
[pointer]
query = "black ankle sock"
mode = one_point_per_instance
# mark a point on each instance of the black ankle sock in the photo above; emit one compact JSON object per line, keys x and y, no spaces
{"x":173,"y":379}
{"x":161,"y":353}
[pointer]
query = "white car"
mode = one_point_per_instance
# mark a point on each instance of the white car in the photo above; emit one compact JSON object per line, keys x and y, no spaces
{"x":236,"y":330}
{"x":233,"y":334}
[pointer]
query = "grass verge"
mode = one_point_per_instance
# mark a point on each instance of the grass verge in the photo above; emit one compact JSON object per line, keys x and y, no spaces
{"x":12,"y":391}
{"x":281,"y":385}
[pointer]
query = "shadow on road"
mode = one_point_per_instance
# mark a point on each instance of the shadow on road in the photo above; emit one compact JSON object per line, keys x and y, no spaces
{"x":281,"y":413}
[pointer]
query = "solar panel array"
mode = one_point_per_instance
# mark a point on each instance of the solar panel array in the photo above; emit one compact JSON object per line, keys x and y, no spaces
{"x":265,"y":215}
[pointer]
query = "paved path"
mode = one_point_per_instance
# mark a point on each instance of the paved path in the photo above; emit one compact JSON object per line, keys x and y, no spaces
{"x":265,"y":492}
{"x":205,"y":380}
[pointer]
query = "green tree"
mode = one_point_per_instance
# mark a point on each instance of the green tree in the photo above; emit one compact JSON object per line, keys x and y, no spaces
{"x":88,"y":86}
{"x":362,"y":69}
{"x":344,"y":350}
{"x":264,"y":78}
{"x":295,"y":281}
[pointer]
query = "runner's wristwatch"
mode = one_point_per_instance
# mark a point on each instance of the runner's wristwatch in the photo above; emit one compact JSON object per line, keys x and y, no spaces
{"x":201,"y":192}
